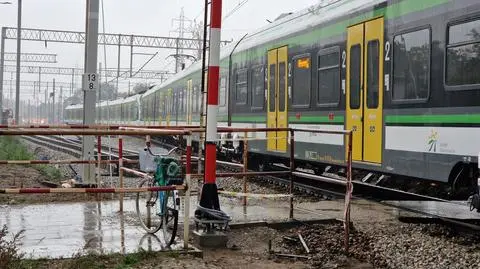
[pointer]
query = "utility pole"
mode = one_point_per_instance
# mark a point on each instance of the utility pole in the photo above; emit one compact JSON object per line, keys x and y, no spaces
{"x":19,"y":38}
{"x":118,"y":65}
{"x":60,"y":116}
{"x":73,"y":82}
{"x":2,"y":62}
{"x":39,"y":87}
{"x":90,"y":86}
{"x":45,"y":110}
{"x":53,"y":103}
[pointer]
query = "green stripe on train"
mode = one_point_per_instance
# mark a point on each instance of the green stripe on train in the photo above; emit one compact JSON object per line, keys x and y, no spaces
{"x":428,"y":119}
{"x":389,"y":12}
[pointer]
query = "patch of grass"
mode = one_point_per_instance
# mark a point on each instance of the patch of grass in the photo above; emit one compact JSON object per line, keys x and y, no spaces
{"x":92,"y":261}
{"x":50,"y":172}
{"x":12,"y":149}
{"x":10,"y":255}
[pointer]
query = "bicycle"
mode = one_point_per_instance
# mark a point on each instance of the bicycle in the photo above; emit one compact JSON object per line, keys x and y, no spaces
{"x":159,"y":209}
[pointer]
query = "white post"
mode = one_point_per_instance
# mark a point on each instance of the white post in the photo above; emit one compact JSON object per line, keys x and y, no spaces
{"x":90,"y":86}
{"x":186,"y":218}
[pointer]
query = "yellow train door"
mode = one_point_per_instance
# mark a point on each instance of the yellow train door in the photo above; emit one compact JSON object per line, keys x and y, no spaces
{"x":277,"y":98}
{"x":364,"y":93}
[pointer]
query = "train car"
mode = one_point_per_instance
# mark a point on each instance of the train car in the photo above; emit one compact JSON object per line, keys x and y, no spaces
{"x":73,"y":114}
{"x":402,"y":74}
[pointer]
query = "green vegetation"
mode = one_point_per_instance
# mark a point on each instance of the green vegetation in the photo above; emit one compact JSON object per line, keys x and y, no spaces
{"x":92,"y":261}
{"x":9,"y":253}
{"x":12,"y":149}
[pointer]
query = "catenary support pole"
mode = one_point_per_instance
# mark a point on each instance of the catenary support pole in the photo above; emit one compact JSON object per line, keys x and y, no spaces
{"x":90,"y":86}
{"x":53,"y":102}
{"x":209,"y":197}
{"x":17,"y":83}
{"x":2,"y":62}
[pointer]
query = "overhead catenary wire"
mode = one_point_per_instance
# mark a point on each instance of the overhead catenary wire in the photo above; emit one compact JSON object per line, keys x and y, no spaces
{"x":235,"y":9}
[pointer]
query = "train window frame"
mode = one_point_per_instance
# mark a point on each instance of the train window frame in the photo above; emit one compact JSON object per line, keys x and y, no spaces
{"x":457,"y":21}
{"x":392,"y":66}
{"x":237,"y":72}
{"x":291,"y":91}
{"x":253,"y":95}
{"x":322,"y":52}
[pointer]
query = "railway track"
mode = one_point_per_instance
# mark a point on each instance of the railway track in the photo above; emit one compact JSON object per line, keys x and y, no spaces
{"x":332,"y":186}
{"x":73,"y":147}
{"x":323,"y":186}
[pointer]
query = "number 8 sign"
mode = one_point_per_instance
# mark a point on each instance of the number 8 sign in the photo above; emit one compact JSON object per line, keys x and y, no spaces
{"x":90,"y":82}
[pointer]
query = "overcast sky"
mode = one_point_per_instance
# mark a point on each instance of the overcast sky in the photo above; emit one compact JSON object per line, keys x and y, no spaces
{"x":144,"y":17}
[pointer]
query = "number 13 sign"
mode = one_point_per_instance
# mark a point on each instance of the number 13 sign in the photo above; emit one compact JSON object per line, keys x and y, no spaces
{"x":90,"y":82}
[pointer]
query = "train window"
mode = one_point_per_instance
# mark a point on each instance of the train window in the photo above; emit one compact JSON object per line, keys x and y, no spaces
{"x":271,"y":87}
{"x":223,"y":91}
{"x":258,"y":88}
{"x":301,"y":81}
{"x":282,"y":72}
{"x":241,"y":87}
{"x":355,"y":76}
{"x":372,"y":73}
{"x":328,"y":91}
{"x":463,"y":54}
{"x":411,"y":65}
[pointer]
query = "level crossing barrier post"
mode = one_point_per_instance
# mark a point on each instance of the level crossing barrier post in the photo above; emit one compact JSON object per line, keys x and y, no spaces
{"x":349,"y":189}
{"x":245,"y":166}
{"x":99,"y":158}
{"x":120,"y":170}
{"x":188,"y":172}
{"x":292,"y":168}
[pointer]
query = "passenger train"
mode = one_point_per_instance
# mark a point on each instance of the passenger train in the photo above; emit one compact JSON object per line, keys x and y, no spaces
{"x":404,"y":75}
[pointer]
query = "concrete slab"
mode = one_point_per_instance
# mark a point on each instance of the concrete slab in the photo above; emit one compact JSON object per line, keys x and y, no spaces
{"x":69,"y":229}
{"x":212,"y":239}
{"x":458,"y":210}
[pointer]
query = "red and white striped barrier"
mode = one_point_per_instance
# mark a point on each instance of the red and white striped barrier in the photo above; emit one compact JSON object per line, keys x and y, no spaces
{"x":209,"y":197}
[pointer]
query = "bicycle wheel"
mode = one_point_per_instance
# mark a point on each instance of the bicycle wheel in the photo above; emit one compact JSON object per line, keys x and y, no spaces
{"x":169,"y":215}
{"x":147,"y":208}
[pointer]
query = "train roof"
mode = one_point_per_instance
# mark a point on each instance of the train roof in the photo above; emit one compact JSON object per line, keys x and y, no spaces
{"x":286,"y":25}
{"x":76,"y":106}
{"x":307,"y":18}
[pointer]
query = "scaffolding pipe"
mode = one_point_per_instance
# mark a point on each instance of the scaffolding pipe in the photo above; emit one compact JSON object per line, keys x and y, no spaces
{"x":90,"y":190}
{"x":30,"y":162}
{"x":91,"y":132}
